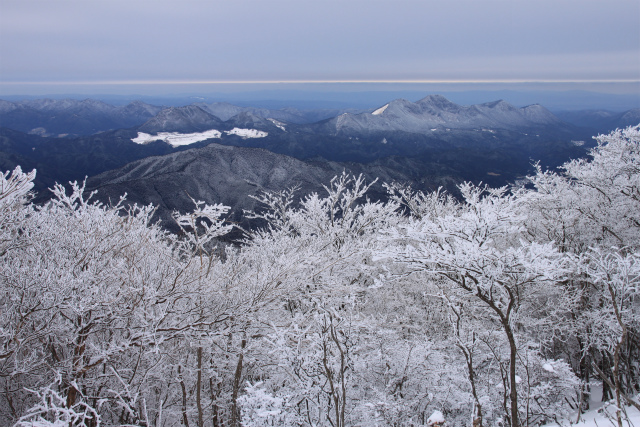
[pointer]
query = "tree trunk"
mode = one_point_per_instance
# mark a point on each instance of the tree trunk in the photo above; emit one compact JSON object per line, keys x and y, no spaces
{"x":199,"y":388}
{"x":513,"y":350}
{"x":185,"y":418}
{"x":235,"y":422}
{"x":477,"y":407}
{"x":215,"y":417}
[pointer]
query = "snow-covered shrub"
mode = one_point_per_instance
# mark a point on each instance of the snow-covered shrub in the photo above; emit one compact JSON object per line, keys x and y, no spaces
{"x":261,"y":409}
{"x":52,"y":410}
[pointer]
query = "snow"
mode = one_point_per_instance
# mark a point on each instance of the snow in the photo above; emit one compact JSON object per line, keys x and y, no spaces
{"x":278,"y":124}
{"x":246,"y":133}
{"x":380,"y":110}
{"x":547,"y":367}
{"x":602,"y":414}
{"x":435,"y":418}
{"x":176,"y":139}
{"x":605,"y":418}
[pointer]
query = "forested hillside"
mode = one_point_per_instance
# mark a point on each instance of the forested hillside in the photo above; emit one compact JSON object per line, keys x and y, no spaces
{"x":503,"y":308}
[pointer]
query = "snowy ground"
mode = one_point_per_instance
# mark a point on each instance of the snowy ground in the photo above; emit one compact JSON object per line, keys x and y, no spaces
{"x":601,"y":414}
{"x":278,"y":124}
{"x":176,"y":139}
{"x":246,"y":133}
{"x":604,"y":417}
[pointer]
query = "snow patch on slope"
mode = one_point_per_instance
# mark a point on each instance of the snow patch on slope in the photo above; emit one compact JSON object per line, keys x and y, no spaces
{"x":278,"y":124}
{"x":176,"y":139}
{"x":246,"y":133}
{"x":380,"y":110}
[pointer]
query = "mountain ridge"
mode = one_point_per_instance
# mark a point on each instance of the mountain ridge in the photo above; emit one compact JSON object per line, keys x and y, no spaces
{"x":72,"y":117}
{"x":435,"y":111}
{"x":224,"y":174}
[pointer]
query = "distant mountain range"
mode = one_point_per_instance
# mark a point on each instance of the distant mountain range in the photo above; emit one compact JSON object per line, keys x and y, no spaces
{"x":432,"y":142}
{"x":70,"y":117}
{"x":601,"y":120}
{"x":225,"y":111}
{"x":436,"y":113}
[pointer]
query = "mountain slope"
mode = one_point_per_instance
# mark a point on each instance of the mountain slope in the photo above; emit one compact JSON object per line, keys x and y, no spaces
{"x":68,"y":159}
{"x":223,"y":174}
{"x":181,"y":119}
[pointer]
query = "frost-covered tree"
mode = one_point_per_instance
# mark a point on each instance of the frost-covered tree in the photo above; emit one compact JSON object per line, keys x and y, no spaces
{"x":613,"y":319}
{"x":479,"y":260}
{"x":335,"y":311}
{"x":92,"y":296}
{"x":592,"y":209}
{"x":110,"y":306}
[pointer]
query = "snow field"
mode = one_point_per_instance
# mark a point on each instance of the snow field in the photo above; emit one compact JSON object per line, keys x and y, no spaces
{"x":176,"y":139}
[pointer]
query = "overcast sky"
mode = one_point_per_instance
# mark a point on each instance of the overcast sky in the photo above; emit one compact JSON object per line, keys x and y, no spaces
{"x":138,"y":41}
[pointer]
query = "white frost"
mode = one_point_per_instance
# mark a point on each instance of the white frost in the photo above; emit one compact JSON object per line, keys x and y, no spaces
{"x":246,"y":133}
{"x":380,"y":110}
{"x":176,"y":139}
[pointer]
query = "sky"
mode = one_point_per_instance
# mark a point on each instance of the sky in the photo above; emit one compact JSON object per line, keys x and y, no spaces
{"x":118,"y":46}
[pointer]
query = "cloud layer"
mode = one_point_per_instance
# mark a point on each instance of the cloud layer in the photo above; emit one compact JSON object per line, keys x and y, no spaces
{"x":304,"y":40}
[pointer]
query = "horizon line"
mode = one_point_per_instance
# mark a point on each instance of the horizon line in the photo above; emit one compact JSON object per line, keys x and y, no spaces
{"x":312,"y":81}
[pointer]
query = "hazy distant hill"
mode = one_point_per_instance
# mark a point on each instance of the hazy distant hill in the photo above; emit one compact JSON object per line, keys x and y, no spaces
{"x":601,"y":120}
{"x":225,"y":111}
{"x":181,"y":119}
{"x":48,"y":117}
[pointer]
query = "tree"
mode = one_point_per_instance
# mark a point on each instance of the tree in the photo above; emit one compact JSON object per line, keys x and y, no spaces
{"x":614,"y":316}
{"x":592,"y":210}
{"x":95,"y":296}
{"x":479,"y":259}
